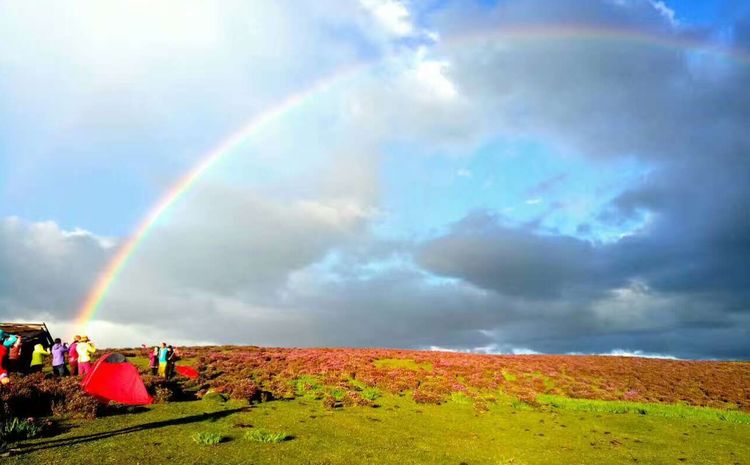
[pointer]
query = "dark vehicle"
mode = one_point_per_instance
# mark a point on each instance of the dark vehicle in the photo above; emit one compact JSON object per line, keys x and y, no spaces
{"x":31,"y":334}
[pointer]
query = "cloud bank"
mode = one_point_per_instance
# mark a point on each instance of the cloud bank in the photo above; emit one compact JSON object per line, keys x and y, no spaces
{"x":284,"y":248}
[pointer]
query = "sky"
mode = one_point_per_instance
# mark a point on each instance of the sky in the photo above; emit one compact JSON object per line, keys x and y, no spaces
{"x":511,"y":176}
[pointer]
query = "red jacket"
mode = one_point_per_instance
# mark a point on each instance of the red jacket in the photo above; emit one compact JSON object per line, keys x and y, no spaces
{"x":15,"y":352}
{"x":72,"y":352}
{"x":3,"y":352}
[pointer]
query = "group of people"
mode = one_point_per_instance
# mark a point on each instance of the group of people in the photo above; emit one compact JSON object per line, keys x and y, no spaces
{"x":162,"y":360}
{"x":10,"y":354}
{"x":78,"y":353}
{"x":73,"y":359}
{"x":78,"y":356}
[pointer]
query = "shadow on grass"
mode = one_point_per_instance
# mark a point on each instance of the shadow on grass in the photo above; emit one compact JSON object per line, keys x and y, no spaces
{"x":61,"y":442}
{"x":115,"y":410}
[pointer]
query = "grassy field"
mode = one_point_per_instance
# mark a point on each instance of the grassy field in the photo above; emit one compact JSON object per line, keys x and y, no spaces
{"x":398,"y":431}
{"x":362,"y":406}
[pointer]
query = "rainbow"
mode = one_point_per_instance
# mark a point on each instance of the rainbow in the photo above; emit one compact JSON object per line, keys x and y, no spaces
{"x":597,"y":33}
{"x":126,"y":250}
{"x":118,"y":262}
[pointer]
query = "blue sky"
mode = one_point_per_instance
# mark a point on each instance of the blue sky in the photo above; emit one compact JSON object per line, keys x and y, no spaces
{"x":524,"y":181}
{"x":594,"y":186}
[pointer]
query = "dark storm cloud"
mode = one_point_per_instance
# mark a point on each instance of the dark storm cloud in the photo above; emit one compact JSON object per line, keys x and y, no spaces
{"x":515,"y":261}
{"x":44,"y":269}
{"x":602,"y":97}
{"x":679,"y":284}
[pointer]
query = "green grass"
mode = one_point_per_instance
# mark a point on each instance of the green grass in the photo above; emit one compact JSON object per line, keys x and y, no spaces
{"x":398,"y":432}
{"x":264,"y":435}
{"x":207,"y":438}
{"x":402,"y":363}
{"x":460,"y":398}
{"x":642,"y":408}
{"x":309,"y":387}
{"x":371,"y":393}
{"x":507,"y":376}
{"x":338,"y":394}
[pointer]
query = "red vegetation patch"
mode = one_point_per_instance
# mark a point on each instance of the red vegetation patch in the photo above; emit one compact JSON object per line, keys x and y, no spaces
{"x":37,"y":395}
{"x":244,"y":372}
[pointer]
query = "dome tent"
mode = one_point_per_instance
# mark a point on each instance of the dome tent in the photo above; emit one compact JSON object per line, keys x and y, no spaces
{"x":113,"y":378}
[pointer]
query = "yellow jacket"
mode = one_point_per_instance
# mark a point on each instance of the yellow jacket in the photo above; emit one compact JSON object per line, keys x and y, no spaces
{"x":37,"y":356}
{"x":85,"y":349}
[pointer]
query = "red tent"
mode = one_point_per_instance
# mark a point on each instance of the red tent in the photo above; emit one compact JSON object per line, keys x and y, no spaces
{"x":114,"y":379}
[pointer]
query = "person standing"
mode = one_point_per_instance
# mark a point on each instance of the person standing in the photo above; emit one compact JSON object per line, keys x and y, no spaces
{"x":171,"y":360}
{"x":58,"y":358}
{"x":73,"y":356}
{"x":14,"y":356}
{"x":37,"y":358}
{"x":85,"y":349}
{"x":153,"y":360}
{"x":3,"y":368}
{"x":163,"y":356}
{"x":7,"y":339}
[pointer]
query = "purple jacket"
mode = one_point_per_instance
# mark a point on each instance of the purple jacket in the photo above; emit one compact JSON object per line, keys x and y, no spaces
{"x":58,"y":354}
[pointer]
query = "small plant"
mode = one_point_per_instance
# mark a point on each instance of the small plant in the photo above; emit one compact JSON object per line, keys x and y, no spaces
{"x":264,"y":435}
{"x":308,"y":386}
{"x":207,"y":438}
{"x":519,"y":404}
{"x":460,"y":398}
{"x":15,"y":429}
{"x":370,"y":393}
{"x":338,"y":394}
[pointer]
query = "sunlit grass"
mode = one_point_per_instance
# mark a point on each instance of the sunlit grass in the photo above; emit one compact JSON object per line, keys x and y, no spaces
{"x":264,"y":435}
{"x":207,"y":438}
{"x":398,"y":432}
{"x":402,"y":363}
{"x":642,"y":408}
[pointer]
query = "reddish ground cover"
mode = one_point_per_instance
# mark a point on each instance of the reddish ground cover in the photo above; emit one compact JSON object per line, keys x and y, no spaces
{"x":252,"y":372}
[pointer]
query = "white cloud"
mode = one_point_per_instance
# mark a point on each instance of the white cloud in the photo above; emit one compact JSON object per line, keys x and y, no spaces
{"x":637,"y":353}
{"x":393,"y":15}
{"x":431,"y":75}
{"x":635,"y":307}
{"x":667,"y":12}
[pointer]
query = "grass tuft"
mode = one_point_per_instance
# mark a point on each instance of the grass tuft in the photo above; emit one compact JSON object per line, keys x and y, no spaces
{"x":308,"y":386}
{"x":207,"y":438}
{"x":402,"y":363}
{"x":371,"y":393}
{"x":264,"y":435}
